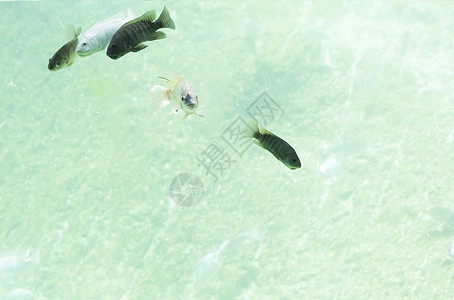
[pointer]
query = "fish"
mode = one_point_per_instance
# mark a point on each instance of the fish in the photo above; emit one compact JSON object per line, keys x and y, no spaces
{"x":176,"y":90}
{"x":65,"y":56}
{"x":97,"y":37}
{"x":274,"y":144}
{"x":132,"y":34}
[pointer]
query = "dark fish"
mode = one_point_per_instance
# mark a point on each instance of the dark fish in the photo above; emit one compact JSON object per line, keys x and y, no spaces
{"x":274,"y":144}
{"x":131,"y":35}
{"x":65,"y":56}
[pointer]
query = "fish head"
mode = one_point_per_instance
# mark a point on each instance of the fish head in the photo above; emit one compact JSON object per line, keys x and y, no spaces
{"x":116,"y":50}
{"x":86,"y":47}
{"x":189,"y":100}
{"x":57,"y":62}
{"x":291,"y":160}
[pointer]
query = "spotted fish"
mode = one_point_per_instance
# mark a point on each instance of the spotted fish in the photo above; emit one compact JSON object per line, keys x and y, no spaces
{"x":131,"y":35}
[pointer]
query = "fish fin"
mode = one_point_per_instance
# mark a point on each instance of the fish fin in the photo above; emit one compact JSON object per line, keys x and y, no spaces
{"x":160,"y":96}
{"x":252,"y":128}
{"x":149,"y":16}
{"x":158,"y":35}
{"x":118,"y":15}
{"x":264,"y":131}
{"x":70,"y":32}
{"x":253,"y":131}
{"x":61,"y":24}
{"x":254,"y":125}
{"x":78,"y":31}
{"x":130,"y":15}
{"x":164,"y":20}
{"x":139,"y":47}
{"x":171,"y":80}
{"x":174,"y":100}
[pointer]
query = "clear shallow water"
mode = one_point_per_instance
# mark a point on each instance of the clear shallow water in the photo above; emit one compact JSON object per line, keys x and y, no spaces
{"x":86,"y":159}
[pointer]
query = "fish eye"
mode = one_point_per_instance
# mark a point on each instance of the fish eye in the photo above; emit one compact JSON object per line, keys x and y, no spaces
{"x":84,"y":44}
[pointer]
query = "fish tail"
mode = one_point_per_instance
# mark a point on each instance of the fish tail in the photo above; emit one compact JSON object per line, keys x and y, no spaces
{"x":61,"y":24}
{"x":252,"y":130}
{"x":164,"y":20}
{"x":70,"y":32}
{"x":159,"y":95}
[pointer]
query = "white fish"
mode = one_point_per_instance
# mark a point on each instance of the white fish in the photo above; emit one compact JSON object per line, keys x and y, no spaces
{"x":99,"y":35}
{"x":176,"y":90}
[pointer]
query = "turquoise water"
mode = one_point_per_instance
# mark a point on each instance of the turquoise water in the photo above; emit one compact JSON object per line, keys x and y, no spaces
{"x":86,"y":160}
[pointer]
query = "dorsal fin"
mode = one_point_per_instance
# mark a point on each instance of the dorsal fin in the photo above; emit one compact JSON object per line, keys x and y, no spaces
{"x":118,"y":15}
{"x":70,"y":32}
{"x":78,"y":31}
{"x":149,"y":16}
{"x":130,"y":15}
{"x":171,"y":80}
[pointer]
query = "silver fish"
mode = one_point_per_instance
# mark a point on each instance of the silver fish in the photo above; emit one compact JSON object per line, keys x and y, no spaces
{"x":176,"y":90}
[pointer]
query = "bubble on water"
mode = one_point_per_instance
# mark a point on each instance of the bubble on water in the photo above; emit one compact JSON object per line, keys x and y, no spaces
{"x":12,"y":265}
{"x":19,"y":294}
{"x":330,"y":168}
